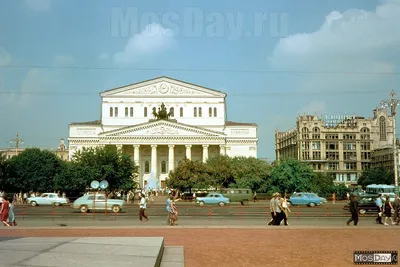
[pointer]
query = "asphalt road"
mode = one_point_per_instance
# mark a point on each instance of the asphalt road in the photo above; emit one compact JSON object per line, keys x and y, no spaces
{"x":187,"y":209}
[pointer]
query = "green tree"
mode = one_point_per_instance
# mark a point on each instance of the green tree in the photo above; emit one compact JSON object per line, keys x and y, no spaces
{"x":105,"y":163}
{"x":220,"y":171}
{"x":322,"y":183}
{"x":377,"y":175}
{"x":187,"y":175}
{"x":33,"y":169}
{"x":291,"y":175}
{"x":250,"y":173}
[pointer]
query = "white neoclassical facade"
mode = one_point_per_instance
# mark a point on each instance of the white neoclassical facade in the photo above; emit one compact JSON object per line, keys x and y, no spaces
{"x":197,"y":128}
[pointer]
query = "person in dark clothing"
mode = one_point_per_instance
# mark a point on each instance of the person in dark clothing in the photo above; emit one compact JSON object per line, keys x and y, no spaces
{"x":354,"y":210}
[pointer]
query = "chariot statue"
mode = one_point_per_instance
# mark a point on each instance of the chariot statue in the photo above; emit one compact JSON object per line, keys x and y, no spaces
{"x":162,"y":113}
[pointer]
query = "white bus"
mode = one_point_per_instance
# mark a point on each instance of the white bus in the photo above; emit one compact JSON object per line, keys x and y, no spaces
{"x":380,"y":189}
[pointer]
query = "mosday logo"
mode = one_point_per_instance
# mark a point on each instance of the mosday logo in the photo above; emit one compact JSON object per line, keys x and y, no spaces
{"x":376,"y":257}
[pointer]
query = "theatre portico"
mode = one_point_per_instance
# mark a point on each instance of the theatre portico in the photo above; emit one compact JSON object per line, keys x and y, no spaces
{"x":162,"y":122}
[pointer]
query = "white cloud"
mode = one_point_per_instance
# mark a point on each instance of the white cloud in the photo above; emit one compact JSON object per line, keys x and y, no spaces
{"x":314,"y":107}
{"x":5,"y":58}
{"x":64,"y":60}
{"x":352,"y":41}
{"x":38,"y":5}
{"x":153,"y":40}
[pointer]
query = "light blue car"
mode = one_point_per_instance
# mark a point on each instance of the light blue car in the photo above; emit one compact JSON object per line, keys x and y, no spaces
{"x":308,"y":199}
{"x":212,"y":198}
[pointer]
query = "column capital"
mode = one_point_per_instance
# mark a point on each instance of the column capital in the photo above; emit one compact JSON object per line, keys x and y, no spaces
{"x":188,"y":146}
{"x":136,"y":146}
{"x":222,"y":146}
{"x":153,"y":146}
{"x":205,"y":146}
{"x":171,"y":146}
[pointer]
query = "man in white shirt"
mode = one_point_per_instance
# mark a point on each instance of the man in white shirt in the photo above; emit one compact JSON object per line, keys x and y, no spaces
{"x":143,"y":205}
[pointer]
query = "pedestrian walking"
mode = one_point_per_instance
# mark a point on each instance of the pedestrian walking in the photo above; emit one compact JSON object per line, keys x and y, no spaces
{"x":285,"y":209}
{"x":333,"y":198}
{"x":4,"y":211}
{"x":255,"y":197}
{"x":142,"y":210}
{"x":379,"y":204}
{"x":388,"y":210}
{"x":354,"y":210}
{"x":278,"y":209}
{"x":173,"y":213}
{"x":396,"y":207}
{"x":168,"y":208}
{"x":11,"y":214}
{"x":272,"y":209}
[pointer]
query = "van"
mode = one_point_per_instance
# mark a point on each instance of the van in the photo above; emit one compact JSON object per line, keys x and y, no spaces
{"x":237,"y":194}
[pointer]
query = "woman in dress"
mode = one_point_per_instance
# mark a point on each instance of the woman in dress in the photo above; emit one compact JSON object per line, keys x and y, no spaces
{"x":173,"y":212}
{"x":11,"y":214}
{"x":388,"y":210}
{"x":5,"y":207}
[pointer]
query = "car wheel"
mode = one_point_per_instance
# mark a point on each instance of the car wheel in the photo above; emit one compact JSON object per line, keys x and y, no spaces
{"x":57,"y":204}
{"x":116,"y":208}
{"x":221,"y":204}
{"x":363,"y":211}
{"x":33,"y":203}
{"x":84,"y":208}
{"x":312,"y":204}
{"x":201,"y":203}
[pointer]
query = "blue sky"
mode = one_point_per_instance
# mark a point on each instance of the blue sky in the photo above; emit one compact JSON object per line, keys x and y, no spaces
{"x":307,"y":57}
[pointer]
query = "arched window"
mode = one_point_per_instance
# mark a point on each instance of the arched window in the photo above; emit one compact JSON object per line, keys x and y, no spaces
{"x":145,"y":111}
{"x":147,"y":166}
{"x":126,"y":112}
{"x":181,"y":112}
{"x":209,"y":112}
{"x":195,"y":112}
{"x":305,"y":130}
{"x":382,"y":128}
{"x":111,"y":112}
{"x":131,"y":112}
{"x":215,"y":112}
{"x":316,"y":130}
{"x":116,"y":112}
{"x":171,"y":110}
{"x":200,"y":112}
{"x":163,"y":167}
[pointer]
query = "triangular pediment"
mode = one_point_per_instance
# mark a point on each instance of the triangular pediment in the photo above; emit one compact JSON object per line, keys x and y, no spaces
{"x":161,"y":128}
{"x":163,"y":86}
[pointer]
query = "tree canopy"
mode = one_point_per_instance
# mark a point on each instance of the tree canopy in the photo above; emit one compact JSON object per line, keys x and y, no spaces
{"x":376,"y":175}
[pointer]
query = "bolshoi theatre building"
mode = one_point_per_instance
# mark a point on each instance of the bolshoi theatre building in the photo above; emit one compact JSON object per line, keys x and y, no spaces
{"x":161,"y":121}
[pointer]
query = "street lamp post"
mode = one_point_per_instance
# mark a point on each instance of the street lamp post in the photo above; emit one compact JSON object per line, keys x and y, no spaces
{"x":392,"y":103}
{"x":16,"y":143}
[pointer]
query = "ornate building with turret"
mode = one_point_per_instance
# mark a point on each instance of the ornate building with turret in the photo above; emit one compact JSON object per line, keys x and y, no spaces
{"x":338,"y":145}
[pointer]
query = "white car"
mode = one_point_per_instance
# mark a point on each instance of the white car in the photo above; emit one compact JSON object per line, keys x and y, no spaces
{"x":48,"y":199}
{"x":98,"y":202}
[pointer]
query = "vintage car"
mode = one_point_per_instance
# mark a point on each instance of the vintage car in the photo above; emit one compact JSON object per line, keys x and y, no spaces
{"x":212,"y":198}
{"x":308,"y":199}
{"x":48,"y":199}
{"x":98,"y":202}
{"x":365,"y":204}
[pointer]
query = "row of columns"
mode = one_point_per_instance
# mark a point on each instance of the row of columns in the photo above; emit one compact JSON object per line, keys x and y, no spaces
{"x":171,"y":153}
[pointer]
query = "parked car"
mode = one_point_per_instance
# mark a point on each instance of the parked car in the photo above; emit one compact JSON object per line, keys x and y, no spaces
{"x":212,"y":198}
{"x":98,"y":202}
{"x":308,"y":199}
{"x":48,"y":199}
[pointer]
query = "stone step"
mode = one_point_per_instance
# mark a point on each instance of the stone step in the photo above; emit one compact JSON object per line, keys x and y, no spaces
{"x":173,"y":256}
